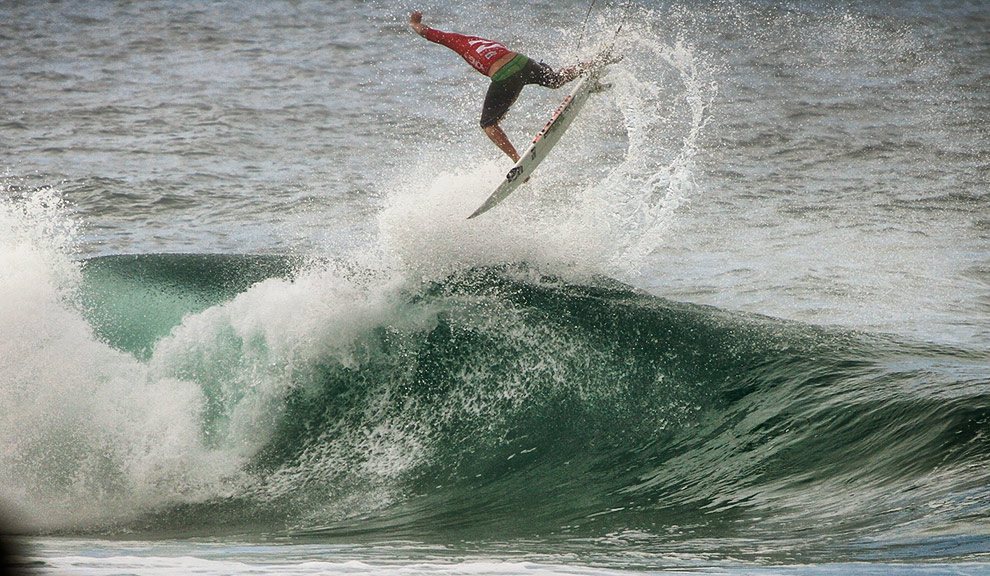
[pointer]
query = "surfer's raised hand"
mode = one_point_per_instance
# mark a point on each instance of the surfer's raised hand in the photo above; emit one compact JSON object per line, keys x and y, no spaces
{"x":416,"y":21}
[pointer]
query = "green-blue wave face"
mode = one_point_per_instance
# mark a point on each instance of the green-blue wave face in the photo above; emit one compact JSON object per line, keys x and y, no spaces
{"x":501,"y":403}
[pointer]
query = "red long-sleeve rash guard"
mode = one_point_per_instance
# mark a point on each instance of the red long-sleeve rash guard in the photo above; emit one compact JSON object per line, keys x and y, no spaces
{"x":480,"y":53}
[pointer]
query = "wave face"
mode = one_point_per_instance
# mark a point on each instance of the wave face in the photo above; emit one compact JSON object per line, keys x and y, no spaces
{"x":502,"y":403}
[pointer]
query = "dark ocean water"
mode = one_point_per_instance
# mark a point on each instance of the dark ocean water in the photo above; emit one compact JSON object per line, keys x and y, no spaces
{"x":738,"y":323}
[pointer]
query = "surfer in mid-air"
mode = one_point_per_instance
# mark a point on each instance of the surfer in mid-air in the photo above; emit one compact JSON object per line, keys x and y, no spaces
{"x":508,"y":70}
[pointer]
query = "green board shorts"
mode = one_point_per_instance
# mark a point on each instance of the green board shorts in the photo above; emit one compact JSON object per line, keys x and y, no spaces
{"x":509,"y":81}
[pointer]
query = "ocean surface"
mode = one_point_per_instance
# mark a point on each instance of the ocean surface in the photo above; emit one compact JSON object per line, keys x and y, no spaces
{"x":737,"y":323}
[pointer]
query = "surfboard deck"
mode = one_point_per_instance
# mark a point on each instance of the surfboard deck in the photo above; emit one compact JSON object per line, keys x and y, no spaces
{"x":586,"y":84}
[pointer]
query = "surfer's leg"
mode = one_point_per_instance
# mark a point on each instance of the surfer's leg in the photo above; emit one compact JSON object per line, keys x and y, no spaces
{"x":497,"y":135}
{"x":544,"y":75}
{"x":501,"y":96}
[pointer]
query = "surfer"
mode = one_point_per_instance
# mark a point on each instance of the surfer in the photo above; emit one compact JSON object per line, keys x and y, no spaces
{"x":509,"y":71}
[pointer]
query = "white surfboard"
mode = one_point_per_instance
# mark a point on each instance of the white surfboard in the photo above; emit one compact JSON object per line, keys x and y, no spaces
{"x":548,"y":137}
